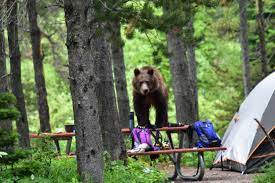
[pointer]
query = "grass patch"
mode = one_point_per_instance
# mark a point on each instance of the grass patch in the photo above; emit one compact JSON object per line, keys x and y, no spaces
{"x":268,"y":176}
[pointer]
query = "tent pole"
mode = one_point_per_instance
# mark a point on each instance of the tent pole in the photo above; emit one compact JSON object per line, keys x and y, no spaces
{"x":267,"y":135}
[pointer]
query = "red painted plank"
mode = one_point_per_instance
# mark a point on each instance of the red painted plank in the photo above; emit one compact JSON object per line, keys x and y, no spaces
{"x":63,"y":134}
{"x":183,"y":150}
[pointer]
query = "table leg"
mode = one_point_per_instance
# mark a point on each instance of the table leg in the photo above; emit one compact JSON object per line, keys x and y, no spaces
{"x":180,"y":136}
{"x":170,"y":140}
{"x":200,"y":170}
{"x":68,"y":147}
{"x":201,"y":166}
{"x":57,"y":145}
{"x":172,"y":157}
{"x":221,"y":161}
{"x":175,"y":173}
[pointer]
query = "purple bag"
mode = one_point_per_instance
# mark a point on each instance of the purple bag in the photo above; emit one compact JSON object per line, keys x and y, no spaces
{"x":143,"y":135}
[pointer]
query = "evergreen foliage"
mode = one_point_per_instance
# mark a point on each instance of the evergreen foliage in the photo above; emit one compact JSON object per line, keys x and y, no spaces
{"x":7,"y":108}
{"x":8,"y":138}
{"x":268,"y":15}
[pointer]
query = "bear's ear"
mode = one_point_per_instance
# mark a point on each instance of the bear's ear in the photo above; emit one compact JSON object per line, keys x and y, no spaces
{"x":150,"y":72}
{"x":137,"y":72}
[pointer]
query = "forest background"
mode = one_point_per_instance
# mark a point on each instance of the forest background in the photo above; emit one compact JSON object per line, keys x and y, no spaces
{"x":216,"y":40}
{"x":218,"y":56}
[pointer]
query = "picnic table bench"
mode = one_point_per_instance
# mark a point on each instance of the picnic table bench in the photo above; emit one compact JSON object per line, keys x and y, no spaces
{"x":175,"y":153}
{"x":56,"y":137}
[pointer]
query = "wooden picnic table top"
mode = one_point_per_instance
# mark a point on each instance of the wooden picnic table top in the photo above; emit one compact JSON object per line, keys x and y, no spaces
{"x":123,"y":130}
{"x":179,"y":128}
{"x":60,"y":134}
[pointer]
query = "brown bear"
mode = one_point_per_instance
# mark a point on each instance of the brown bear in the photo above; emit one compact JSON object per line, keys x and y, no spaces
{"x":149,"y":90}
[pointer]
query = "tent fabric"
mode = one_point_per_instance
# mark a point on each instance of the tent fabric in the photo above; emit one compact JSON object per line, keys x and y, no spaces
{"x":244,"y":137}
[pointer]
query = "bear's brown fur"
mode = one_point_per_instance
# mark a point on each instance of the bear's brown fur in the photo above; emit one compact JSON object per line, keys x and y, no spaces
{"x":149,"y":90}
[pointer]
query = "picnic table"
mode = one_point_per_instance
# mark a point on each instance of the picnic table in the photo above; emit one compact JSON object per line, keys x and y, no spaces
{"x":56,"y":137}
{"x":175,"y":153}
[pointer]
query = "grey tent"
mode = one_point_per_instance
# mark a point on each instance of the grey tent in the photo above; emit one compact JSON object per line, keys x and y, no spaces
{"x":247,"y":145}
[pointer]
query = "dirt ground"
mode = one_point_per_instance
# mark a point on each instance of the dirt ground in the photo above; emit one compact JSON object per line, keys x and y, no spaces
{"x":214,"y":175}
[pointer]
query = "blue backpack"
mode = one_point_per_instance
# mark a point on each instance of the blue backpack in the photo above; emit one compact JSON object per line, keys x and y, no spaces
{"x":207,"y":134}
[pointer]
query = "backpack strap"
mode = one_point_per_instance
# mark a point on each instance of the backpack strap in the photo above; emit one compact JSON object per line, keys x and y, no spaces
{"x":131,"y":126}
{"x":138,"y":137}
{"x":158,"y":139}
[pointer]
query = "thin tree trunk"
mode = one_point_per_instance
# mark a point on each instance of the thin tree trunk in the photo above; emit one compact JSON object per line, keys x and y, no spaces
{"x":244,"y":45}
{"x":4,"y":124}
{"x":119,"y":75}
{"x":84,"y":52}
{"x":261,"y":32}
{"x":108,"y":114}
{"x":41,"y":91}
{"x":16,"y":83}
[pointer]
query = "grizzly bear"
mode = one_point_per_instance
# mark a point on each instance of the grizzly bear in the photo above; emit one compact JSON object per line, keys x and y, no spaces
{"x":149,"y":90}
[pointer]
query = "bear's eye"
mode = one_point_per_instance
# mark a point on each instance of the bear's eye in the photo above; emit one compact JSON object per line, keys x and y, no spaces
{"x":140,"y":83}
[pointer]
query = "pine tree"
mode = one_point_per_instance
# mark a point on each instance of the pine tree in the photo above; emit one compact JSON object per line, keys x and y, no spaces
{"x":41,"y":91}
{"x":15,"y":66}
{"x":7,"y":113}
{"x":117,"y":57}
{"x":6,"y":125}
{"x":261,"y":33}
{"x":244,"y":45}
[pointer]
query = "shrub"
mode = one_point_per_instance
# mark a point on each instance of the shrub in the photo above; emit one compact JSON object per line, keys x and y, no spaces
{"x":268,"y":176}
{"x":136,"y":171}
{"x":45,"y":169}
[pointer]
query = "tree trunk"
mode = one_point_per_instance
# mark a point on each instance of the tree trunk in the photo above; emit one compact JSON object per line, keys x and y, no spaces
{"x":41,"y":91}
{"x":244,"y":45}
{"x":16,"y":83}
{"x":108,"y":114}
{"x":191,"y":57}
{"x":83,"y":54}
{"x":261,"y":32}
{"x":180,"y":77}
{"x":119,"y":75}
{"x":4,"y":124}
{"x":181,"y":81}
{"x":183,"y":64}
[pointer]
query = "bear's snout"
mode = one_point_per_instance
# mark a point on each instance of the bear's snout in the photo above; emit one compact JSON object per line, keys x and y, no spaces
{"x":144,"y":89}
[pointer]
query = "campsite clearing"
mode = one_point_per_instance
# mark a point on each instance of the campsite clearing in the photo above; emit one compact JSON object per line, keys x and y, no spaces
{"x":215,"y":175}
